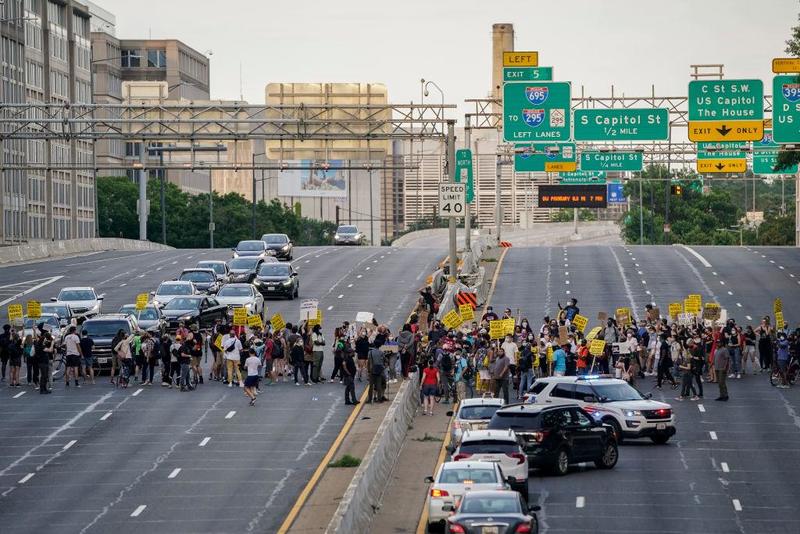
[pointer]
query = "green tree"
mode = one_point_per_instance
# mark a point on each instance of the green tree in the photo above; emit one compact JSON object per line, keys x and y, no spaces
{"x":116,"y":209}
{"x":787,"y":158}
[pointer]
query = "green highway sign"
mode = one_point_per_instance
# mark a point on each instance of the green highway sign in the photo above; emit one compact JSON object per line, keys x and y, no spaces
{"x":716,"y":100}
{"x":543,"y":157}
{"x":527,"y":74}
{"x":536,"y":111}
{"x":722,"y":150}
{"x":464,"y":172}
{"x":650,"y":124}
{"x":765,"y":156}
{"x":786,"y":109}
{"x":611,"y":161}
{"x":582,"y":177}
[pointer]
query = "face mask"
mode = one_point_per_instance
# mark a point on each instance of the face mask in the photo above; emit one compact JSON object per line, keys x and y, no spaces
{"x":524,"y":325}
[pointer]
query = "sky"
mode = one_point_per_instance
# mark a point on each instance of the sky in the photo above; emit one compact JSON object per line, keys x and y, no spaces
{"x":630,"y":44}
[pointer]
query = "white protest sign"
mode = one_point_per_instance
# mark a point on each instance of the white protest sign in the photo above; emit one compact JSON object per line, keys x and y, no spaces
{"x":308,"y":309}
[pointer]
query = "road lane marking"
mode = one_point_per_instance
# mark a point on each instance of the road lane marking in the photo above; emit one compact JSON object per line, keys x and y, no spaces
{"x":697,"y":255}
{"x":635,"y":264}
{"x":648,"y":292}
{"x":174,"y":472}
{"x":138,"y":391}
{"x":28,"y":271}
{"x":568,"y":292}
{"x":737,"y":505}
{"x":18,"y":395}
{"x":725,"y":468}
{"x":139,"y":510}
{"x":70,"y":444}
{"x":580,"y":502}
{"x":730,"y":293}
{"x":791,"y":275}
{"x":566,"y":265}
{"x":701,"y":408}
{"x":374,"y":261}
{"x":106,"y":416}
{"x":780,"y":267}
{"x":714,"y":273}
{"x":26,"y":478}
{"x":713,"y":435}
{"x":359,"y":276}
{"x":47,"y":281}
{"x":748,"y":317}
{"x":644,"y":281}
{"x":722,"y":283}
{"x":367,"y":269}
{"x":330,"y":308}
{"x":123,"y":285}
{"x":640,"y":272}
{"x":566,"y":282}
{"x":739,"y":304}
{"x":340,"y":297}
{"x":566,"y":273}
{"x":175,"y":262}
{"x":204,"y":442}
{"x":230,"y":414}
{"x":349,"y":285}
{"x":307,"y":261}
{"x":772,"y":261}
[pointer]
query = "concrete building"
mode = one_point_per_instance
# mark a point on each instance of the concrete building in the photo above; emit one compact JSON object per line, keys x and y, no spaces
{"x":102,"y":20}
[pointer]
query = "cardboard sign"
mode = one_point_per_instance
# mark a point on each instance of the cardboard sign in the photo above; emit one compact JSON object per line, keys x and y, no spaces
{"x":239,"y":316}
{"x":777,"y":306}
{"x":623,"y":316}
{"x":452,"y":319}
{"x":593,"y":333}
{"x":675,"y":308}
{"x":597,"y":347}
{"x":602,"y":317}
{"x":685,"y":319}
{"x":308,"y":309}
{"x":508,"y":327}
{"x":277,"y":322}
{"x":711,"y":311}
{"x":779,"y":322}
{"x":422,"y":321}
{"x":563,"y":335}
{"x":316,"y":320}
{"x":14,"y":312}
{"x":580,"y":322}
{"x":141,"y":301}
{"x":466,"y":312}
{"x":34,"y":309}
{"x":496,"y":329}
{"x":367,"y":317}
{"x":254,"y":321}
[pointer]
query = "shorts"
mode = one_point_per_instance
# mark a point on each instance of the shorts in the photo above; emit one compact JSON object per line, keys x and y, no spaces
{"x":429,"y":390}
{"x":73,"y":360}
{"x":15,"y":362}
{"x":251,"y":381}
{"x":139,"y":359}
{"x":195,"y":361}
{"x":267,"y":367}
{"x":88,"y":361}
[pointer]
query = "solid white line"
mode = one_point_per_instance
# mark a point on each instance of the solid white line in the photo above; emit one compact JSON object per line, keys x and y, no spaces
{"x":330,"y":308}
{"x":725,"y":468}
{"x":737,"y":505}
{"x":26,"y":478}
{"x":106,"y":416}
{"x":713,"y":435}
{"x":18,"y":395}
{"x":203,"y":443}
{"x":138,"y":391}
{"x":697,"y":255}
{"x":701,"y":408}
{"x":174,"y":472}
{"x":139,"y":510}
{"x":70,"y":444}
{"x":580,"y":502}
{"x":31,"y":289}
{"x":230,"y":414}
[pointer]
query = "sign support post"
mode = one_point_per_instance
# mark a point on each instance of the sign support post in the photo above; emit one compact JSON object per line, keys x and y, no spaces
{"x":451,"y":171}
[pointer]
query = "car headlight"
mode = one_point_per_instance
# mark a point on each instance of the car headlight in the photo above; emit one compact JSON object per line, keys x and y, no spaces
{"x":185,"y":318}
{"x":633,"y":413}
{"x":336,"y":236}
{"x":285,"y":247}
{"x":287,"y":283}
{"x":235,"y":254}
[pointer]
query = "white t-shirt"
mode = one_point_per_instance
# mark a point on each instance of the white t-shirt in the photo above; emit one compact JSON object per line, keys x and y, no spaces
{"x":252,"y":364}
{"x":511,"y":351}
{"x":73,"y":343}
{"x":227,"y":340}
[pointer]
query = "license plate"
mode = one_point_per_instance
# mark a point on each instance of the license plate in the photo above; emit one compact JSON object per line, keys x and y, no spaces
{"x":661,"y":426}
{"x":270,"y":289}
{"x":490,"y":459}
{"x":490,"y":530}
{"x":102,"y":360}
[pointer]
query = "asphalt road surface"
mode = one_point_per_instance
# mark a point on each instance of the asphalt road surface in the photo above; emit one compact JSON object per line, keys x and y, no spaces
{"x":98,"y":459}
{"x":732,"y":467}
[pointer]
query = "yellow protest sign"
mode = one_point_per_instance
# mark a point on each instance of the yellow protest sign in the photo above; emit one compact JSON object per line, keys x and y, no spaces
{"x":34,"y":309}
{"x":675,"y":308}
{"x":141,"y":301}
{"x":239,"y":316}
{"x":550,"y":356}
{"x":277,"y":322}
{"x":317,"y":320}
{"x":597,"y":347}
{"x":580,"y":322}
{"x":777,"y":306}
{"x":623,"y":316}
{"x":466,"y":312}
{"x":593,"y":333}
{"x":779,"y":322}
{"x":218,"y":342}
{"x":508,"y":327}
{"x":254,"y":321}
{"x":14,"y":312}
{"x":693,"y":304}
{"x":496,"y":329}
{"x":452,"y":319}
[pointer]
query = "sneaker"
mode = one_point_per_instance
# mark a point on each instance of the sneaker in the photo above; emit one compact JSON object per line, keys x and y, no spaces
{"x":297,"y":383}
{"x":680,"y":398}
{"x":731,"y":375}
{"x":241,"y":385}
{"x":738,"y":375}
{"x":164,"y":384}
{"x":230,"y":384}
{"x":308,"y":384}
{"x":695,"y":398}
{"x":170,"y":386}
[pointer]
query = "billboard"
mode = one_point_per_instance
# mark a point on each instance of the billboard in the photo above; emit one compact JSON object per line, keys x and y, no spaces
{"x":572,"y":196}
{"x":312,"y":180}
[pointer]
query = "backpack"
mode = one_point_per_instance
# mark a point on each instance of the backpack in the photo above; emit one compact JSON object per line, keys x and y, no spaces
{"x":277,"y":350}
{"x":446,"y":362}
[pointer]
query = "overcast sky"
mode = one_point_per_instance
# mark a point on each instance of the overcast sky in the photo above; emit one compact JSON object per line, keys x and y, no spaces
{"x":628,"y":43}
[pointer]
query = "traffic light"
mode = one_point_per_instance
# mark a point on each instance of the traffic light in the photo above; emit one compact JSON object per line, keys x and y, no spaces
{"x":677,"y":190}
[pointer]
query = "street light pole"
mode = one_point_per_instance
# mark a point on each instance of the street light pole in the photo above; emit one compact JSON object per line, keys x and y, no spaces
{"x":142,"y":194}
{"x":641,"y":211}
{"x":451,"y":167}
{"x":254,"y":196}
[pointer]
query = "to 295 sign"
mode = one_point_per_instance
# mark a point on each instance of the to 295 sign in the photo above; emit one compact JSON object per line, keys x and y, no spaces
{"x":452,"y":198}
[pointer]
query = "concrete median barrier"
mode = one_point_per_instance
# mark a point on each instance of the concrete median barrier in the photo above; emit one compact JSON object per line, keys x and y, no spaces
{"x":37,"y":250}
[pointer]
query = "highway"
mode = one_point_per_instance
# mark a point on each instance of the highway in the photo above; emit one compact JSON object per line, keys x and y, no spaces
{"x":99,"y":459}
{"x":732,"y":466}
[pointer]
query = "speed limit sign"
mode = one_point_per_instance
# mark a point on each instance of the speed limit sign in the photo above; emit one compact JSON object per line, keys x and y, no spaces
{"x":452,"y":198}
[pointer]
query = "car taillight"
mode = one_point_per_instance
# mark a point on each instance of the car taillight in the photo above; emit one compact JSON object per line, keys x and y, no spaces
{"x":524,"y":528}
{"x":518,"y":455}
{"x":538,"y":437}
{"x":439,"y":493}
{"x":590,"y":409}
{"x":458,"y":529}
{"x":461,"y":456}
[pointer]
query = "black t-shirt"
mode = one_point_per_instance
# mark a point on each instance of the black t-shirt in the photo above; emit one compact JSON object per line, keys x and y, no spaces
{"x":186,"y":350}
{"x":86,"y":346}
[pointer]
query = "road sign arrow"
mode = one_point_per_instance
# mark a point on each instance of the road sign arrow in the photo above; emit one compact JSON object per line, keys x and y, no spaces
{"x":719,"y":166}
{"x":724,"y":130}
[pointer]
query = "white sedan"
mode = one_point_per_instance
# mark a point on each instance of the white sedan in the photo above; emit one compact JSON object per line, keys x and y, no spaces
{"x":238,"y":295}
{"x":83,"y":301}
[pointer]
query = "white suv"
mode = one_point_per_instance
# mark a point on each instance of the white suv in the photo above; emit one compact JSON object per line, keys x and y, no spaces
{"x":498,"y":446}
{"x":612,"y":401}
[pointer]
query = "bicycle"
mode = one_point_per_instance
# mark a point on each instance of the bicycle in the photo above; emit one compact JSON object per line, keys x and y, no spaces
{"x":792,"y":372}
{"x":451,"y":389}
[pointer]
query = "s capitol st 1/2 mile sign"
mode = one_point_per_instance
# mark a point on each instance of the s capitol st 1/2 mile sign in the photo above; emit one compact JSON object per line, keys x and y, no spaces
{"x":648,"y":124}
{"x":536,"y":111}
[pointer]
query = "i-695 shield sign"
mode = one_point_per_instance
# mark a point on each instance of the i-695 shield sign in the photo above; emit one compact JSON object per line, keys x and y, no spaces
{"x":452,"y":198}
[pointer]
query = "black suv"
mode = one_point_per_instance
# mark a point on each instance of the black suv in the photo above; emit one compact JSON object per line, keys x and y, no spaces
{"x":101,"y":329}
{"x":279,"y":245}
{"x":554,"y":437}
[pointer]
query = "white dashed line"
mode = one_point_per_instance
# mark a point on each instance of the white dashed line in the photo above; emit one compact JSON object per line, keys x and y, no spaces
{"x":123,"y":284}
{"x":640,"y":272}
{"x":307,"y":261}
{"x":367,"y":269}
{"x":70,"y":444}
{"x":138,"y":391}
{"x":349,"y":285}
{"x":230,"y":414}
{"x":701,"y":408}
{"x":644,"y":281}
{"x":374,"y":261}
{"x":139,"y":510}
{"x":730,"y":292}
{"x":566,"y":265}
{"x":566,"y":273}
{"x":634,"y":259}
{"x":714,"y":273}
{"x":737,"y":505}
{"x":748,"y":317}
{"x":359,"y":276}
{"x":721,"y":283}
{"x":580,"y":502}
{"x":780,"y":267}
{"x":26,"y":478}
{"x":175,"y":262}
{"x":140,"y":276}
{"x":204,"y":442}
{"x":772,"y":261}
{"x":106,"y":416}
{"x":763,"y":256}
{"x":18,"y":395}
{"x":568,"y":292}
{"x":174,"y":472}
{"x":738,"y":304}
{"x":725,"y":468}
{"x":713,"y":435}
{"x":635,"y":264}
{"x":330,"y":308}
{"x":340,"y":297}
{"x":647,"y":292}
{"x":791,"y":276}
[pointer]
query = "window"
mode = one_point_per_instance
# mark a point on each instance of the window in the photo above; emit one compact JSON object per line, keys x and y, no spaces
{"x":581,"y":419}
{"x":538,"y":387}
{"x":564,"y":391}
{"x":130,"y":58}
{"x":157,"y":59}
{"x":132,"y":149}
{"x":582,"y":391}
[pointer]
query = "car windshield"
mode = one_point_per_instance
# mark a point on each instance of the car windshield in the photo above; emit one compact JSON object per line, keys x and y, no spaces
{"x":243,"y":263}
{"x":489,"y":446}
{"x":147,"y":314}
{"x":347,"y":230}
{"x":197,"y":276}
{"x":499,"y":504}
{"x":477,"y":412}
{"x":174,"y":289}
{"x":466,"y":475}
{"x":76,"y":294}
{"x":105,"y":328}
{"x":274,"y":269}
{"x":616,"y":392}
{"x":183,"y":304}
{"x":250,"y":245}
{"x":274,"y":239}
{"x":59,"y":309}
{"x":218,"y":267}
{"x":50,"y":321}
{"x":235,"y":291}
